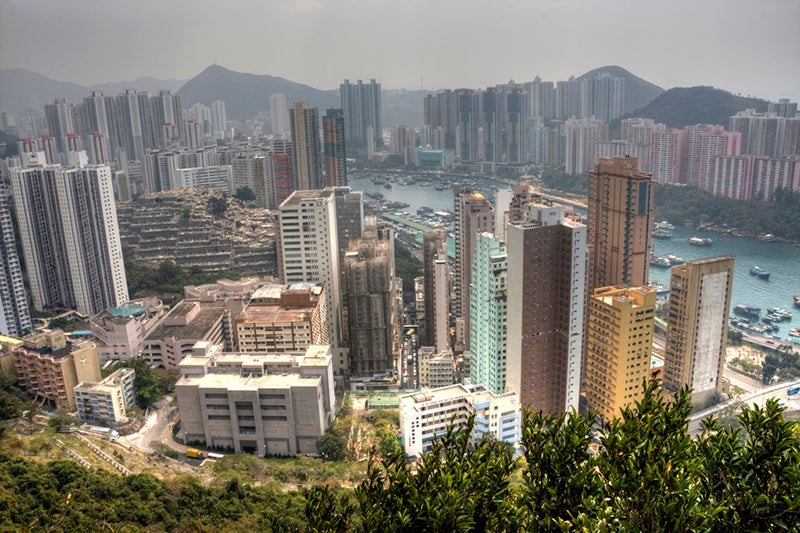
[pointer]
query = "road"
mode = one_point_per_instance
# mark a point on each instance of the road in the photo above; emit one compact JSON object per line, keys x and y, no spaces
{"x":758,"y":397}
{"x":157,"y":427}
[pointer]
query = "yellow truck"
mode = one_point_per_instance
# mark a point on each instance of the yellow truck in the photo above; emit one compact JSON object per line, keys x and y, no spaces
{"x":194,"y":453}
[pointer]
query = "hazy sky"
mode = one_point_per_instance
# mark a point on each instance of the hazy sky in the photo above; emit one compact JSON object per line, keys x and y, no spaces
{"x":744,"y":46}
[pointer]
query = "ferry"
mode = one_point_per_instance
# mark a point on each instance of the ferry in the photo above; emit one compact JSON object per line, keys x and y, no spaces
{"x":700,"y":241}
{"x":760,"y":273}
{"x":747,"y":310}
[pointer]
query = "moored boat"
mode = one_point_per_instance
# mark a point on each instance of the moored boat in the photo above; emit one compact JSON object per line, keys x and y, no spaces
{"x":759,"y":272}
{"x":700,"y":241}
{"x":661,"y":233}
{"x":797,"y":300}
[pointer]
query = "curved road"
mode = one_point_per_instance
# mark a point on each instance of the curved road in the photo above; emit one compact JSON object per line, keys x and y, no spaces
{"x":758,"y":397}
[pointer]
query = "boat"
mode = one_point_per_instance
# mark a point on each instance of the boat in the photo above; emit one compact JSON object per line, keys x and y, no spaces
{"x":797,"y":300}
{"x":664,"y":225}
{"x":747,"y":310}
{"x":780,"y":312}
{"x":661,"y":262}
{"x":387,"y":185}
{"x":759,"y":272}
{"x":660,"y":288}
{"x":768,"y":237}
{"x":661,"y":233}
{"x":700,"y":241}
{"x":794,"y":332}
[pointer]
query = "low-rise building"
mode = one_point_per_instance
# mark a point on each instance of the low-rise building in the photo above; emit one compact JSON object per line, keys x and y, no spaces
{"x":187,"y":323}
{"x":426,"y":415}
{"x":49,"y":367}
{"x":106,"y":402}
{"x":435,"y":369}
{"x":283,"y":318}
{"x":268,"y":403}
{"x":120,"y":331}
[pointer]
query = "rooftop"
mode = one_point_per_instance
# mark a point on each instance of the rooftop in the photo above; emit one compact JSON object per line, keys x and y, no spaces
{"x":197,"y":328}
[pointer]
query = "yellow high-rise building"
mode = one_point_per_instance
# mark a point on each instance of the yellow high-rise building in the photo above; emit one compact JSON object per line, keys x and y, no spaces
{"x":619,"y":347}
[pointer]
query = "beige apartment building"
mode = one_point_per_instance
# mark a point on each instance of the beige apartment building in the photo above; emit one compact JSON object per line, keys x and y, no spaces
{"x":619,"y":347}
{"x":49,"y":367}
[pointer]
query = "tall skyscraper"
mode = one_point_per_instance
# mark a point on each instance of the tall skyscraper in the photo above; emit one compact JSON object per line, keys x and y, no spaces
{"x":619,"y":342}
{"x":307,"y":149}
{"x":335,"y":151}
{"x":70,"y":237}
{"x":703,"y":143}
{"x":435,"y":289}
{"x":620,"y":220}
{"x":487,"y":361}
{"x":697,"y":327}
{"x":473,"y":215}
{"x":278,"y":114}
{"x":283,"y":168}
{"x":308,"y":251}
{"x":580,"y":138}
{"x":219,"y":119}
{"x":15,"y":317}
{"x":667,"y":155}
{"x":60,"y":122}
{"x":361,"y":106}
{"x":547,"y":291}
{"x":369,"y":270}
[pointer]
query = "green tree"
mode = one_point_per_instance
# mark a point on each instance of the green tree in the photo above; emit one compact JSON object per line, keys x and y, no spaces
{"x":460,"y":485}
{"x":61,"y":422}
{"x":332,"y":445}
{"x":217,"y":205}
{"x":245,"y":194}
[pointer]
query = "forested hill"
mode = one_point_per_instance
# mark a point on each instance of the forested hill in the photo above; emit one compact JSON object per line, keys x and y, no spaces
{"x":686,"y":106}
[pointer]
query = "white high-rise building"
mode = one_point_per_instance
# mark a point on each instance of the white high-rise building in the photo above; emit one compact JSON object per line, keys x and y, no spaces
{"x":69,"y":233}
{"x":308,"y":251}
{"x":279,"y":114}
{"x":15,"y":317}
{"x":581,"y":136}
{"x":218,"y":119}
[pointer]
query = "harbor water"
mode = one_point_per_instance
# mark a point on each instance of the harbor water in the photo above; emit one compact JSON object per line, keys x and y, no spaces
{"x":780,"y":259}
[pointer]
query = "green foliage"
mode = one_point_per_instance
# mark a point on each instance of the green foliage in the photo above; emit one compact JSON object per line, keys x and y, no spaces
{"x":169,"y":278}
{"x":783,"y":363}
{"x":61,"y":422}
{"x":554,"y":179}
{"x":145,"y":384}
{"x":186,"y":213}
{"x":406,"y":267}
{"x":62,"y":496}
{"x":163,"y":449}
{"x":245,"y":194}
{"x":332,"y":445}
{"x":217,"y":205}
{"x":460,"y":485}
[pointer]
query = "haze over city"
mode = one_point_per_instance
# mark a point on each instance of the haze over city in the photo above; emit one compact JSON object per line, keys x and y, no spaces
{"x":742,"y":46}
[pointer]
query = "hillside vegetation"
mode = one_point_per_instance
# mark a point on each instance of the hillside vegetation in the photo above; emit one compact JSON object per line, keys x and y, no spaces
{"x":642,"y":472}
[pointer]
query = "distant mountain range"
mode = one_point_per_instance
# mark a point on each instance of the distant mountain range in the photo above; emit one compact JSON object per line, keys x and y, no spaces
{"x":245,"y":95}
{"x":22,"y":89}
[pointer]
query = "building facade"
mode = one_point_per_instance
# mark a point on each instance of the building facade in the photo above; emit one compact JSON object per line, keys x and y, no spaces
{"x":619,"y":348}
{"x":70,"y":235}
{"x":620,"y":219}
{"x":697,"y":327}
{"x":333,"y":138}
{"x":49,"y":367}
{"x":120,"y":332}
{"x":307,"y":147}
{"x":106,"y":402}
{"x":488,"y":318}
{"x":263,"y":404}
{"x":370,"y":294}
{"x":426,"y":415}
{"x":547,"y":291}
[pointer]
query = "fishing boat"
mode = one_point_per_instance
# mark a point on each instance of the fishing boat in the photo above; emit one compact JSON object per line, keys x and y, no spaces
{"x":700,"y":241}
{"x":759,"y":272}
{"x":780,"y":312}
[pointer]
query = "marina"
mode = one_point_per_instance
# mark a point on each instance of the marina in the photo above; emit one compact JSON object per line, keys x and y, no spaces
{"x":779,"y":258}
